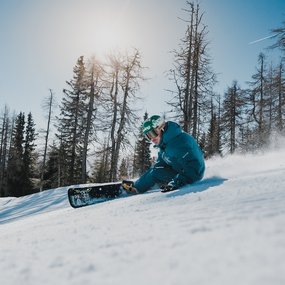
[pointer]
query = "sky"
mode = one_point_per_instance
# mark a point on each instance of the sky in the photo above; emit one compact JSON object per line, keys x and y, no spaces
{"x":41,"y":41}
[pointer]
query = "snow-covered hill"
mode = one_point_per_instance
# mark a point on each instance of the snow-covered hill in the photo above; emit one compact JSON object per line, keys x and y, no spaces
{"x":227,"y":229}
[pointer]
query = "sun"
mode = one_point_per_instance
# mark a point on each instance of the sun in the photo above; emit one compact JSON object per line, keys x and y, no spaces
{"x":110,"y":37}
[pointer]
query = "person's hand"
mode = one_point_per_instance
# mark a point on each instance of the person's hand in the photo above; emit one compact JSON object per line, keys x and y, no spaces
{"x":128,"y":187}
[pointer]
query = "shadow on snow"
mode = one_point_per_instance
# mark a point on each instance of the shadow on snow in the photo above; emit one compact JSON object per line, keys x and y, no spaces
{"x":199,"y":186}
{"x":32,"y":204}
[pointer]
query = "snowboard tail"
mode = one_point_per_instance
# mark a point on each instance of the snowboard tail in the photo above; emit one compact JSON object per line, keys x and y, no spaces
{"x":89,"y":195}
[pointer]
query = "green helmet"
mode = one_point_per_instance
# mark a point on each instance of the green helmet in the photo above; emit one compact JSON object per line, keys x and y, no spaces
{"x":152,"y":123}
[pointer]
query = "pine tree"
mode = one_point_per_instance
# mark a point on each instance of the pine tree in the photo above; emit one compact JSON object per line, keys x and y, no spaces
{"x":213,"y":138}
{"x":51,"y":176}
{"x":15,"y":168}
{"x":123,"y":170}
{"x":29,"y":155}
{"x":233,"y":116}
{"x":101,"y":172}
{"x":71,"y":126}
{"x":142,"y":157}
{"x":211,"y":143}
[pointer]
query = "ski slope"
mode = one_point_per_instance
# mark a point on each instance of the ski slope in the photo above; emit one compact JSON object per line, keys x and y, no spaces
{"x":227,"y":229}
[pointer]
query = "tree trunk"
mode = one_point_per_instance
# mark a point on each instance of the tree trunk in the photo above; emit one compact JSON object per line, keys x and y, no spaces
{"x":46,"y":139}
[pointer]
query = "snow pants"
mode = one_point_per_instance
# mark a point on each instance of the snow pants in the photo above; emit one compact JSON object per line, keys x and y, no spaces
{"x":155,"y":175}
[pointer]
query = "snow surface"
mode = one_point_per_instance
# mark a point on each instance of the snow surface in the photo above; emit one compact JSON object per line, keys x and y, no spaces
{"x":227,"y":229}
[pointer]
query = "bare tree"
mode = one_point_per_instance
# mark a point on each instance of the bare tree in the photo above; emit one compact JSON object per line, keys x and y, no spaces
{"x":258,"y":93}
{"x":126,"y":74}
{"x":5,"y":137}
{"x":280,"y":88}
{"x":279,"y":34}
{"x":192,"y":73}
{"x":48,"y":104}
{"x":94,"y":82}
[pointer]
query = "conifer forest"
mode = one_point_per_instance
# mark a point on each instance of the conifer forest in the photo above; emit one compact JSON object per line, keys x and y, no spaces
{"x":93,"y":134}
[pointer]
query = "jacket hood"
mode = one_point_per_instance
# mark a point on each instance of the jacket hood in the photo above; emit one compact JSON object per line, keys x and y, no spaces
{"x":171,"y":131}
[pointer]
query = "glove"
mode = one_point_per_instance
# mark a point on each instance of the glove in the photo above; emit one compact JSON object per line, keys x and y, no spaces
{"x":171,"y":186}
{"x":127,"y":186}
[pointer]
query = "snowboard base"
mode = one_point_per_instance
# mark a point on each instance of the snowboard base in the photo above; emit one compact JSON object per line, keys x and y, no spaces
{"x":89,"y":195}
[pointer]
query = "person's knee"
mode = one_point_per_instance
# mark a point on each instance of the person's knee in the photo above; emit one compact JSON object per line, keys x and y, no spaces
{"x":162,"y":174}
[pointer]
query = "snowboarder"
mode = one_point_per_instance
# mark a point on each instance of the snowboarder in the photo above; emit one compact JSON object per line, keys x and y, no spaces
{"x":180,"y":160}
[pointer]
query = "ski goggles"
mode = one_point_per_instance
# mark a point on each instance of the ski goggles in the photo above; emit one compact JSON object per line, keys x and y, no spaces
{"x":152,"y":134}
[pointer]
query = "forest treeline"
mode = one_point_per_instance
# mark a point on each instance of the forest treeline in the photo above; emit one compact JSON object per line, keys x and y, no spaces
{"x":97,"y":136}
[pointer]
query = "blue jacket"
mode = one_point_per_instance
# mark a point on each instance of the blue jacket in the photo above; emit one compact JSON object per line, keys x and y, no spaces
{"x":179,"y":159}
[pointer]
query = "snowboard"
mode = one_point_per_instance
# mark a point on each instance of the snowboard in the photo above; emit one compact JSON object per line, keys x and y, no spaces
{"x":89,"y":195}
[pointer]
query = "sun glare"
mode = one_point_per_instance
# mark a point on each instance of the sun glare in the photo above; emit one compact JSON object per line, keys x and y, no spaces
{"x":109,"y":38}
